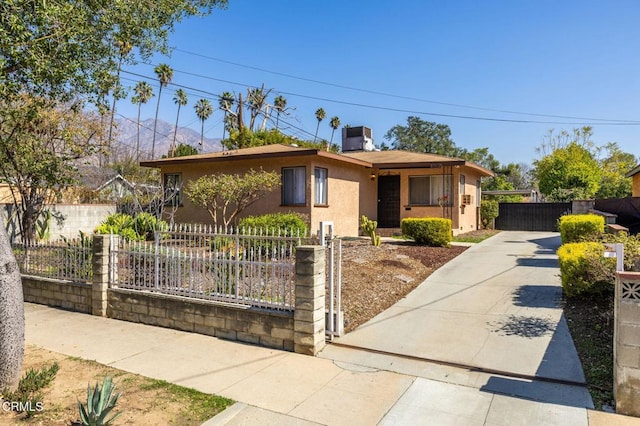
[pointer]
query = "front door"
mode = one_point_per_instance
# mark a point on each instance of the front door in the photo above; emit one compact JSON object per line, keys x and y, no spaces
{"x":389,"y":201}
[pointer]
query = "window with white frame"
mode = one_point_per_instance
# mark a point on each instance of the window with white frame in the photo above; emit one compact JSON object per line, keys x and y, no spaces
{"x":430,"y":190}
{"x":478,"y":192}
{"x":172,"y":188}
{"x":293,"y":186}
{"x":462,"y":184}
{"x":321,"y":186}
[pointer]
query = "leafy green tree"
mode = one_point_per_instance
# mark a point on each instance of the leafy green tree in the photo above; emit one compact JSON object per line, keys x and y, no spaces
{"x":568,"y":173}
{"x":334,"y":123}
{"x":203,"y":111}
{"x":180,"y":99}
{"x":320,"y":115}
{"x":12,"y":315}
{"x":182,"y":150}
{"x":225,"y":196}
{"x":280,"y":104}
{"x":423,"y":136}
{"x":60,"y":49}
{"x":489,"y":210}
{"x":39,"y":145}
{"x":165,"y":75}
{"x":615,"y":165}
{"x":143,"y":92}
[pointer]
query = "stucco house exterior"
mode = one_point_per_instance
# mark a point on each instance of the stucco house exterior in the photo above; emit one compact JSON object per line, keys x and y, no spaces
{"x":386,"y":186}
{"x":635,"y":176}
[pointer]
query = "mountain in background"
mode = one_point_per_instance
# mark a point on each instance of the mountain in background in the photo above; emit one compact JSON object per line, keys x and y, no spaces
{"x":126,"y":133}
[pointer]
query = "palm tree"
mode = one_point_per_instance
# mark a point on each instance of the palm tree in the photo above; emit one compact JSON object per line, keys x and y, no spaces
{"x":225,"y":102}
{"x":181,"y":100}
{"x":143,"y":92}
{"x":203,"y":111}
{"x":124,"y":48}
{"x":320,"y":115}
{"x":334,"y":123}
{"x":279,"y":103}
{"x":165,"y":74}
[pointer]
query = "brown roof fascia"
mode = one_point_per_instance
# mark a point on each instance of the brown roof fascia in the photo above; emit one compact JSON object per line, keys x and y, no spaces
{"x":635,"y":171}
{"x":266,"y":155}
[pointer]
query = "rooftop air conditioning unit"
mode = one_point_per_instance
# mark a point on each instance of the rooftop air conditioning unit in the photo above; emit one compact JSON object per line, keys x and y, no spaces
{"x":357,"y":139}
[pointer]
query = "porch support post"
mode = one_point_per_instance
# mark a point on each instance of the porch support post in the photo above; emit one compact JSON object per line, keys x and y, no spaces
{"x":626,"y":344}
{"x":309,"y":315}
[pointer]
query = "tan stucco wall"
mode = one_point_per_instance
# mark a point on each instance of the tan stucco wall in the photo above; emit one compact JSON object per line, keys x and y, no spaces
{"x":463,"y":220}
{"x":342,"y":191}
{"x":635,"y":189}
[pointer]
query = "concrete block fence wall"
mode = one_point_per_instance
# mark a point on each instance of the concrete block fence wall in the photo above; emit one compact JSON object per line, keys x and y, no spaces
{"x":300,"y":331}
{"x":626,"y":344}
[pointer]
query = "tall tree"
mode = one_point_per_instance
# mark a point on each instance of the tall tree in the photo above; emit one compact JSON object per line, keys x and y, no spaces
{"x":12,"y":315}
{"x":65,"y":49}
{"x":257,"y":104}
{"x":165,"y":75}
{"x":320,"y":115}
{"x":334,"y":123}
{"x":124,"y":47}
{"x":423,"y":136}
{"x":615,"y":164}
{"x":568,"y":173}
{"x":280,"y":104}
{"x":180,"y":99}
{"x":225,"y":102}
{"x":143,"y":92}
{"x":203,"y":111}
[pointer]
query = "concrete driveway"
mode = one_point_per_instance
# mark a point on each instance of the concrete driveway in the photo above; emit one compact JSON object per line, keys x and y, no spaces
{"x":494,"y":309}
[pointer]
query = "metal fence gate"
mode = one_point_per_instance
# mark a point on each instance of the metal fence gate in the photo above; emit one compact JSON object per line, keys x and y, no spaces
{"x":530,"y":216}
{"x":334,"y":319}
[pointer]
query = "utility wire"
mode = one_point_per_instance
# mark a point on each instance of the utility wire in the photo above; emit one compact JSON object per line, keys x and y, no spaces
{"x":391,"y":95}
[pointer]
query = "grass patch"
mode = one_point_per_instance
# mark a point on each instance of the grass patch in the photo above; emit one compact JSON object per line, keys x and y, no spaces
{"x":29,"y":392}
{"x":475,"y":236}
{"x":200,"y":406}
{"x":590,"y":320}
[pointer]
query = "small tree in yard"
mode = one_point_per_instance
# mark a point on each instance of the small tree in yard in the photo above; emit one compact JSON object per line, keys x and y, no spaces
{"x":226,"y":195}
{"x":489,"y":210}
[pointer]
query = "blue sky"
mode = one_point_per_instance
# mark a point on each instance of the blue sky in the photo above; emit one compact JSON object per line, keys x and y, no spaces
{"x":480,"y":59}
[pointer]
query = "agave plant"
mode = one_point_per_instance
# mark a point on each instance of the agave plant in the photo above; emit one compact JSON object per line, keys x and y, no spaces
{"x":100,"y":402}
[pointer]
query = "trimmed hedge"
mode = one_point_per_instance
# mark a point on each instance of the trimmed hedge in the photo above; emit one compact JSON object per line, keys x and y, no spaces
{"x":584,"y":269}
{"x":432,"y":231}
{"x":291,"y":223}
{"x":580,"y":227}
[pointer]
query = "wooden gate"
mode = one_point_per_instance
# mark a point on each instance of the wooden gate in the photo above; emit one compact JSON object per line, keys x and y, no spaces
{"x":530,"y":216}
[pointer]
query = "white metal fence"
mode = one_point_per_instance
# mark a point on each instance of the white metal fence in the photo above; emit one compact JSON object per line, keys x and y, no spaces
{"x":252,"y":267}
{"x":63,"y":259}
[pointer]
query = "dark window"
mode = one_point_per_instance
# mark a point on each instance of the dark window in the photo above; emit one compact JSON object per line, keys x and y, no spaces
{"x":293,"y":186}
{"x":321,"y":182}
{"x":430,"y":190}
{"x":172,"y":189}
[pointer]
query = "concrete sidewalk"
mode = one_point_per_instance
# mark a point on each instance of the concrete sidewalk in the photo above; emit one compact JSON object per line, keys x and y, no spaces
{"x":282,"y":388}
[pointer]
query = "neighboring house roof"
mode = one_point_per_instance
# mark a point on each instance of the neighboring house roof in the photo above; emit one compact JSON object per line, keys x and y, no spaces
{"x":633,"y":172}
{"x":373,"y":159}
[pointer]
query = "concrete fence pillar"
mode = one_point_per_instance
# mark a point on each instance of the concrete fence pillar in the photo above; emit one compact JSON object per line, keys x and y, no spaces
{"x":309,"y":315}
{"x":100,"y":283}
{"x":626,"y":344}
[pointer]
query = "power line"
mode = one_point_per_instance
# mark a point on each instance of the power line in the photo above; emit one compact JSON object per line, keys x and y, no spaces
{"x":407,"y":111}
{"x":391,"y":95}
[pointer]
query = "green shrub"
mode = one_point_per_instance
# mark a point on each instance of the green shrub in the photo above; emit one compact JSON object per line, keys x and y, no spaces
{"x":289,"y":223}
{"x":580,"y":227}
{"x":631,"y":245}
{"x":489,"y":210}
{"x":431,"y":231}
{"x":584,"y":269}
{"x":138,"y":228}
